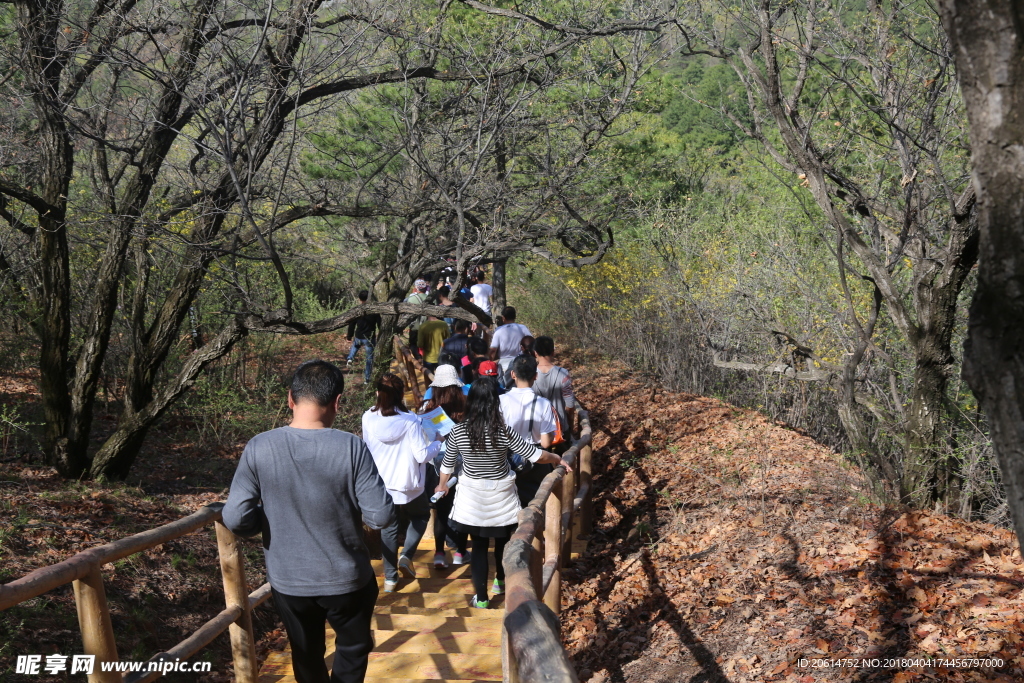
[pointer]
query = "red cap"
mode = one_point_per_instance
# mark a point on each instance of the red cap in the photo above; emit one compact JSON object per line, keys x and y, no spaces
{"x":489,"y":369}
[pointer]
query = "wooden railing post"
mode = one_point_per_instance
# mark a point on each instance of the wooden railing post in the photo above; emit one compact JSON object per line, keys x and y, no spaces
{"x":94,"y":620}
{"x":568,"y":496}
{"x":553,"y":546}
{"x":537,"y":560}
{"x":236,"y":593}
{"x":587,"y":480}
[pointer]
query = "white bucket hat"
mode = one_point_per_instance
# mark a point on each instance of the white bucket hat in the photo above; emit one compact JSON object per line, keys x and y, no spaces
{"x":445,"y":376}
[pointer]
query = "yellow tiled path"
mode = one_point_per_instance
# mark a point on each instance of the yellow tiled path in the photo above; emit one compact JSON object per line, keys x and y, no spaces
{"x":426,"y":631}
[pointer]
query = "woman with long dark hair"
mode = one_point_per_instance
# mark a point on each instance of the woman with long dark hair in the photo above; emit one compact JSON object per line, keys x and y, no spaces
{"x":486,"y":504}
{"x":400,"y":450}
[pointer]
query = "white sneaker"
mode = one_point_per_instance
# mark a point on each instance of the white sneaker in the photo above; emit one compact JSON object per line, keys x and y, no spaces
{"x":389,"y":586}
{"x":460,"y":558}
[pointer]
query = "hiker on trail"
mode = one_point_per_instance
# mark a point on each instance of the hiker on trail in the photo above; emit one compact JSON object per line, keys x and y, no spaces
{"x":363,"y":332}
{"x":532,"y":417}
{"x":458,"y":343}
{"x":482,"y":293}
{"x":310,"y":488}
{"x":442,"y":300}
{"x":430,"y":338}
{"x":555,"y":384}
{"x":488,"y":368}
{"x":400,"y":448}
{"x":448,"y":393}
{"x":418,"y":296}
{"x":486,"y":503}
{"x":505,"y":342}
{"x":526,"y":346}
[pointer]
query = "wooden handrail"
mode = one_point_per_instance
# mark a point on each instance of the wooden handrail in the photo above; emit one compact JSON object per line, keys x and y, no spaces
{"x":533,"y":561}
{"x":83,"y":571}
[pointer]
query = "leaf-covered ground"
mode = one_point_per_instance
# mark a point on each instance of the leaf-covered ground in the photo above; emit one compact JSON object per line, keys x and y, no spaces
{"x":729,"y":548}
{"x":726,"y":548}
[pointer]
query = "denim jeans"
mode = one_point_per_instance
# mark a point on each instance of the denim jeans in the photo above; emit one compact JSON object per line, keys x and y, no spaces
{"x":413,"y":518}
{"x":356,"y":343}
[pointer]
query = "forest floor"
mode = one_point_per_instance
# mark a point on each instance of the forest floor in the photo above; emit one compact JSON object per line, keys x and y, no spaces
{"x":730,"y":548}
{"x":726,"y":548}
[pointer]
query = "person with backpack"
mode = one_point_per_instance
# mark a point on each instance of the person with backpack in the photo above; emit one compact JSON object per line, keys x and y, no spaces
{"x":418,"y":296}
{"x":555,"y":384}
{"x":532,"y":417}
{"x":363,"y":332}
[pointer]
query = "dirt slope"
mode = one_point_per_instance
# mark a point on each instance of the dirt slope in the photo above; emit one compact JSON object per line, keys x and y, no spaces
{"x":730,"y":548}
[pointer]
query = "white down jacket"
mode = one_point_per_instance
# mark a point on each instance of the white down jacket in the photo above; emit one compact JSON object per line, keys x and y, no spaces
{"x":486,"y":502}
{"x":401,"y":450}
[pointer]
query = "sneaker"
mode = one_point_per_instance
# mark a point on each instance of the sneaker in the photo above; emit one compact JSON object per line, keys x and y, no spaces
{"x":481,"y":604}
{"x":348,"y":362}
{"x":405,"y":566}
{"x":498,"y":587}
{"x":460,"y":558}
{"x":389,"y":586}
{"x":439,"y":561}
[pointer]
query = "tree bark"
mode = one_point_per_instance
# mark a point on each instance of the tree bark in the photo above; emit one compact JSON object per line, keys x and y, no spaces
{"x":988,"y":43}
{"x":117,"y":454}
{"x":499,"y":300}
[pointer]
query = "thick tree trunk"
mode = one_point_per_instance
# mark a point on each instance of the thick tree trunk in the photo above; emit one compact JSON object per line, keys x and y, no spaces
{"x":117,"y":454}
{"x":988,"y":41}
{"x":499,"y":297}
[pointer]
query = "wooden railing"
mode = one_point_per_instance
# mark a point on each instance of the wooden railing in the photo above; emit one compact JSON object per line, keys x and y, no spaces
{"x":531,"y":646}
{"x":83,"y":571}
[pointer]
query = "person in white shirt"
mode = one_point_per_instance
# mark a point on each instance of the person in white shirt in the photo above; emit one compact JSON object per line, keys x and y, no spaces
{"x":400,"y":450}
{"x":533,"y":418}
{"x":482,"y":293}
{"x":505,"y":343}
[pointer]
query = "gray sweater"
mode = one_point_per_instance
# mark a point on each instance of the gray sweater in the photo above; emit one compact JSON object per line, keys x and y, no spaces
{"x":308,"y":490}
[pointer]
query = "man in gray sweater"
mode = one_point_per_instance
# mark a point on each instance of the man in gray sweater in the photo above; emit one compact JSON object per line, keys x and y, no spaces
{"x":308,"y":488}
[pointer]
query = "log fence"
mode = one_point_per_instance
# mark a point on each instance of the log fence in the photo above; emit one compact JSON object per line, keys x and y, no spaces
{"x":83,"y":572}
{"x":531,"y":645}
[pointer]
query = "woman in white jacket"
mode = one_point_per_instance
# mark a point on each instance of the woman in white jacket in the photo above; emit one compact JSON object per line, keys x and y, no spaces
{"x":401,"y":450}
{"x":486,"y":502}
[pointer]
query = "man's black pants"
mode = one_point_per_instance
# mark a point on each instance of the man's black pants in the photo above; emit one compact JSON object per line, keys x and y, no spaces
{"x":348,"y":614}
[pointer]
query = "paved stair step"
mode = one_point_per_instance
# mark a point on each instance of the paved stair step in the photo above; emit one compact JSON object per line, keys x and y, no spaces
{"x":403,"y":666}
{"x":435,"y":600}
{"x":416,"y":622}
{"x":439,"y":641}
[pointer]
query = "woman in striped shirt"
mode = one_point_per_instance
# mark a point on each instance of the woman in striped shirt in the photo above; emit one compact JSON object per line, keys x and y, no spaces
{"x":486,"y":503}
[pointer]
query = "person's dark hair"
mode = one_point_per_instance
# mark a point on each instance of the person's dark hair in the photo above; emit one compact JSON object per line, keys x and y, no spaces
{"x":480,"y":275}
{"x":461,"y":326}
{"x":544,"y":346}
{"x":509,"y":313}
{"x":478,"y":346}
{"x":452,"y":400}
{"x":525,"y":367}
{"x":526,"y":346}
{"x":468,"y":373}
{"x":364,"y":295}
{"x":448,"y":359}
{"x":390,"y":395}
{"x":444,"y":290}
{"x":317,"y":381}
{"x":483,"y":413}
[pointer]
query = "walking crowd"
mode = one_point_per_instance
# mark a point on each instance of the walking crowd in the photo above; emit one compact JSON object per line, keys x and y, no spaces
{"x":508,"y":416}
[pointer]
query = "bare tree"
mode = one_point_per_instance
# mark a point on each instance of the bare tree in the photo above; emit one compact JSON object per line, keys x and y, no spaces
{"x":152,"y":164}
{"x":859,"y":105}
{"x":988,"y":42}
